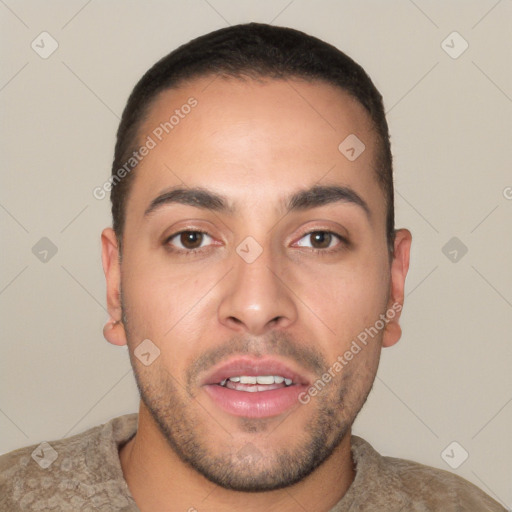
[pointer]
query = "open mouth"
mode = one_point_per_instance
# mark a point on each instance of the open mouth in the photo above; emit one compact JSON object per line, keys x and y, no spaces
{"x":253,"y":384}
{"x":255,"y":388}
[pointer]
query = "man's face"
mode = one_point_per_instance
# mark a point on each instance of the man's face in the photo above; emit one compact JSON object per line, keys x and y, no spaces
{"x":251,"y":283}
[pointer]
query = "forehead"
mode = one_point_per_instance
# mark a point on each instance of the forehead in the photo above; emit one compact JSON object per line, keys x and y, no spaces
{"x":255,"y":141}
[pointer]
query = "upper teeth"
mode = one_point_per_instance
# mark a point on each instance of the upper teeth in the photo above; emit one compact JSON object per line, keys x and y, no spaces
{"x":260,"y":379}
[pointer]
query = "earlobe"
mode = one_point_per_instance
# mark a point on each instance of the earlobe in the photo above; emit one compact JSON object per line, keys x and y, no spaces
{"x":399,"y":269}
{"x":114,"y":333}
{"x":114,"y":329}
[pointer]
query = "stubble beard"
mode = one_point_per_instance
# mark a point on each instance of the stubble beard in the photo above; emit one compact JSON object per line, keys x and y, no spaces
{"x":195,"y":436}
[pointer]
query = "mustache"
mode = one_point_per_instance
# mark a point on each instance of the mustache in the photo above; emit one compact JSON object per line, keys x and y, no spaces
{"x":275,"y":343}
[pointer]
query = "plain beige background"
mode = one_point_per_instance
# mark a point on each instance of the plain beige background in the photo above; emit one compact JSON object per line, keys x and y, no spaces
{"x":448,"y":379}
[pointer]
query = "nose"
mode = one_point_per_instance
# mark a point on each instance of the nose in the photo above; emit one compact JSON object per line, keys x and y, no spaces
{"x":255,"y":298}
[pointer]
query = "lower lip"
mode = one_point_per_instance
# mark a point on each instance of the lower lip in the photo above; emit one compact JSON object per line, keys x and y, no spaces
{"x":261,"y":404}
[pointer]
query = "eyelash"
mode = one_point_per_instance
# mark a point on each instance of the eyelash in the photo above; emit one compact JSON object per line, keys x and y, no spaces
{"x":343,"y":242}
{"x":185,"y":252}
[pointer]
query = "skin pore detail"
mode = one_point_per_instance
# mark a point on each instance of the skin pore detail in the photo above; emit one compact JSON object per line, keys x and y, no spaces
{"x":252,"y":168}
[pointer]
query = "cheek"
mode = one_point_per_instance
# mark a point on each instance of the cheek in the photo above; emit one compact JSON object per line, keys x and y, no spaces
{"x":347,"y":300}
{"x":148,"y":297}
{"x":166,"y":302}
{"x":347,"y":297}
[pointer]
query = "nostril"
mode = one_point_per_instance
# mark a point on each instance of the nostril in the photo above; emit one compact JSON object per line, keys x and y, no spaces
{"x":275,"y":320}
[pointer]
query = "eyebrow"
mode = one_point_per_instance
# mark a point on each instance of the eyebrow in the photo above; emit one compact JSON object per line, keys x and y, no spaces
{"x":321,"y":195}
{"x":196,"y":196}
{"x":302,"y":200}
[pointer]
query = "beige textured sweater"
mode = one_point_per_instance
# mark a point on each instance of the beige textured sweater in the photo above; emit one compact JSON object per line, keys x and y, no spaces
{"x":83,"y":473}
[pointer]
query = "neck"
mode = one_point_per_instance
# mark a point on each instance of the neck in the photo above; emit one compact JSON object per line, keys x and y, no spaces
{"x":159,"y":481}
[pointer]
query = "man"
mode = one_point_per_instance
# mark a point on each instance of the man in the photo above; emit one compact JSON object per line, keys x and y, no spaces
{"x":255,"y":273}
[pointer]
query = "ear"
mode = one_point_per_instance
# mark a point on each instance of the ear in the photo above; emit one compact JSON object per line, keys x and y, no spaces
{"x":399,"y":268}
{"x":114,"y":330}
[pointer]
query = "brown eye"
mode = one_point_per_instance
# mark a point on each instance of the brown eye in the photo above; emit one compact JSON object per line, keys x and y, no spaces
{"x":191,"y":239}
{"x":321,"y":239}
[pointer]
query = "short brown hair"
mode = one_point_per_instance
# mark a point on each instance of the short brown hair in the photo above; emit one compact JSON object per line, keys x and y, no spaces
{"x":257,"y":51}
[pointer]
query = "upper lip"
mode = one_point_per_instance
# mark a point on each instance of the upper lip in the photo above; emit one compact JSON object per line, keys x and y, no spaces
{"x":253,"y":367}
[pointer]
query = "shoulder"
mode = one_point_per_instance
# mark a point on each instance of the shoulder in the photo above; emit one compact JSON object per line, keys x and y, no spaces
{"x":67,"y":474}
{"x":440,"y":489}
{"x":419,"y":487}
